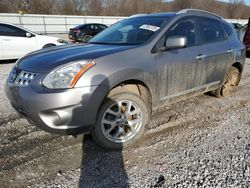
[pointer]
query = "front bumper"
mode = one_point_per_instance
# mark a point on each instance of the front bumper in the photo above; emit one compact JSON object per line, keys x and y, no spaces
{"x":69,"y":111}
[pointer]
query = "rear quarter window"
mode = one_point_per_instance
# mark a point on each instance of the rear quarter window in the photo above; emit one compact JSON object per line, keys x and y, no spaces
{"x":102,"y":27}
{"x":229,"y":29}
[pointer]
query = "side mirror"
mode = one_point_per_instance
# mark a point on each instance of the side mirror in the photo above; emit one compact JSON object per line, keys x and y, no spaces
{"x":28,"y":35}
{"x":175,"y":42}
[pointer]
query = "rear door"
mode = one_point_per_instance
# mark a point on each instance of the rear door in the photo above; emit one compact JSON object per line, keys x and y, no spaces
{"x":219,"y":50}
{"x":178,"y":70}
{"x":15,"y":44}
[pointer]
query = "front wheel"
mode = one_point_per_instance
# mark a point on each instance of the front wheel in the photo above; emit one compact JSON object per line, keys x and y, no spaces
{"x":121,"y":121}
{"x":231,"y":81}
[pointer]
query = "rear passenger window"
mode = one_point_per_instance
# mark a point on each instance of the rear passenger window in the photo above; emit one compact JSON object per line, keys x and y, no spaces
{"x":93,"y":27}
{"x":88,"y":27}
{"x":211,"y":30}
{"x":102,"y":27}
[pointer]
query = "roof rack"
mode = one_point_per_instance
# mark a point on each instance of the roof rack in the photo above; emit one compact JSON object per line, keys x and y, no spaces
{"x":137,"y":15}
{"x":197,"y":10}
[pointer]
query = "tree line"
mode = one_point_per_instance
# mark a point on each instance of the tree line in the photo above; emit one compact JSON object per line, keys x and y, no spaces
{"x":235,"y":9}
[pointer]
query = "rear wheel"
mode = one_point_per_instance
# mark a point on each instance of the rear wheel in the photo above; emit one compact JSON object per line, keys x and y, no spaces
{"x":86,"y":38}
{"x":248,"y":54}
{"x":121,"y":121}
{"x":230,"y":83}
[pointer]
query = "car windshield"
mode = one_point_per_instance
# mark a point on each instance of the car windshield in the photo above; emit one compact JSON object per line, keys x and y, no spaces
{"x":131,"y":31}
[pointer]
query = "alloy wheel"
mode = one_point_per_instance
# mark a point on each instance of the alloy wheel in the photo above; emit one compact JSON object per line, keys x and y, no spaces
{"x":121,"y":121}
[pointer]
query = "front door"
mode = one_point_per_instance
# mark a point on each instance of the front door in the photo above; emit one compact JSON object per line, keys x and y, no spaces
{"x":178,"y":70}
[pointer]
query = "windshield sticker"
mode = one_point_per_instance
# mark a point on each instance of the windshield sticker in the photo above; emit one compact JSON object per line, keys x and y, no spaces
{"x":150,"y":27}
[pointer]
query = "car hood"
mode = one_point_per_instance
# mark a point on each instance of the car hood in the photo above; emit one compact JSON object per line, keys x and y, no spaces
{"x":46,"y":59}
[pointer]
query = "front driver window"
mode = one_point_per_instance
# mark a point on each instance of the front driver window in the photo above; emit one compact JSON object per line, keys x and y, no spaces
{"x":184,"y":28}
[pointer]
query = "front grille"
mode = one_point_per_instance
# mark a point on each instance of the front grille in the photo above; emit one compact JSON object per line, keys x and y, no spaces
{"x":24,"y":78}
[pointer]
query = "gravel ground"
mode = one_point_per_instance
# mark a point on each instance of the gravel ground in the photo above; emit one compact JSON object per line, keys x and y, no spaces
{"x":200,"y":142}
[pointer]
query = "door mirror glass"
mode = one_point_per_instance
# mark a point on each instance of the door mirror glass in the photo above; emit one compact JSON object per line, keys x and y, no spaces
{"x":28,"y":35}
{"x":174,"y":42}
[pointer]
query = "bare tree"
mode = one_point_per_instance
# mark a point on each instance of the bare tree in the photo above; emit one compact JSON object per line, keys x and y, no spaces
{"x":157,"y":6}
{"x":4,"y":6}
{"x":40,"y":7}
{"x":94,"y":7}
{"x":110,"y":7}
{"x":71,"y":7}
{"x":234,"y":8}
{"x":181,"y":4}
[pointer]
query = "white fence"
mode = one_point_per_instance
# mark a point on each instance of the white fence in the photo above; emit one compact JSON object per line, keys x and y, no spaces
{"x":48,"y":24}
{"x":242,"y":22}
{"x":54,"y":23}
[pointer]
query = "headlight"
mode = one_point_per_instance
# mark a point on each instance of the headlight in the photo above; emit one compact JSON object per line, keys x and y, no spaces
{"x":67,"y":76}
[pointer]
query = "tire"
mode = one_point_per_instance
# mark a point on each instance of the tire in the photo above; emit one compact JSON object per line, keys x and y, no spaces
{"x":231,"y":82}
{"x":48,"y":45}
{"x":86,"y":38}
{"x":120,"y":121}
{"x":247,"y":54}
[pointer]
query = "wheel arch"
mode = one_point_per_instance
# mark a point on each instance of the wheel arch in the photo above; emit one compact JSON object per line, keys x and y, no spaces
{"x":134,"y":86}
{"x":48,"y":45}
{"x":238,"y":66}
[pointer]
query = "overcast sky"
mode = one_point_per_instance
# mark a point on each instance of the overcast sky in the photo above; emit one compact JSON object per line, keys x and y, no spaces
{"x":246,"y":1}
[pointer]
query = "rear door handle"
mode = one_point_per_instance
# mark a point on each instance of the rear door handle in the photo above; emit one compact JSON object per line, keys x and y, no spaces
{"x":201,"y":57}
{"x":230,"y":51}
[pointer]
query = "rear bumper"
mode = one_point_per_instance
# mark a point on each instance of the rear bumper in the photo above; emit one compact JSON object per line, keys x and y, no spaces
{"x":68,"y":111}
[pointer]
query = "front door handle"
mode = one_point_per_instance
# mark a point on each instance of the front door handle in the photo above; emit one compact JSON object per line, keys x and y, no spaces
{"x":201,"y":57}
{"x":6,"y":39}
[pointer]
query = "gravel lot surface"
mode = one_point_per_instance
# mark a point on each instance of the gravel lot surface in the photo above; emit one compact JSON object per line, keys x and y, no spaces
{"x":200,"y":142}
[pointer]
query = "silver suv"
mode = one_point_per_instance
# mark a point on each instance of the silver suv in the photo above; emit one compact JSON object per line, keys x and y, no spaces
{"x":110,"y":86}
